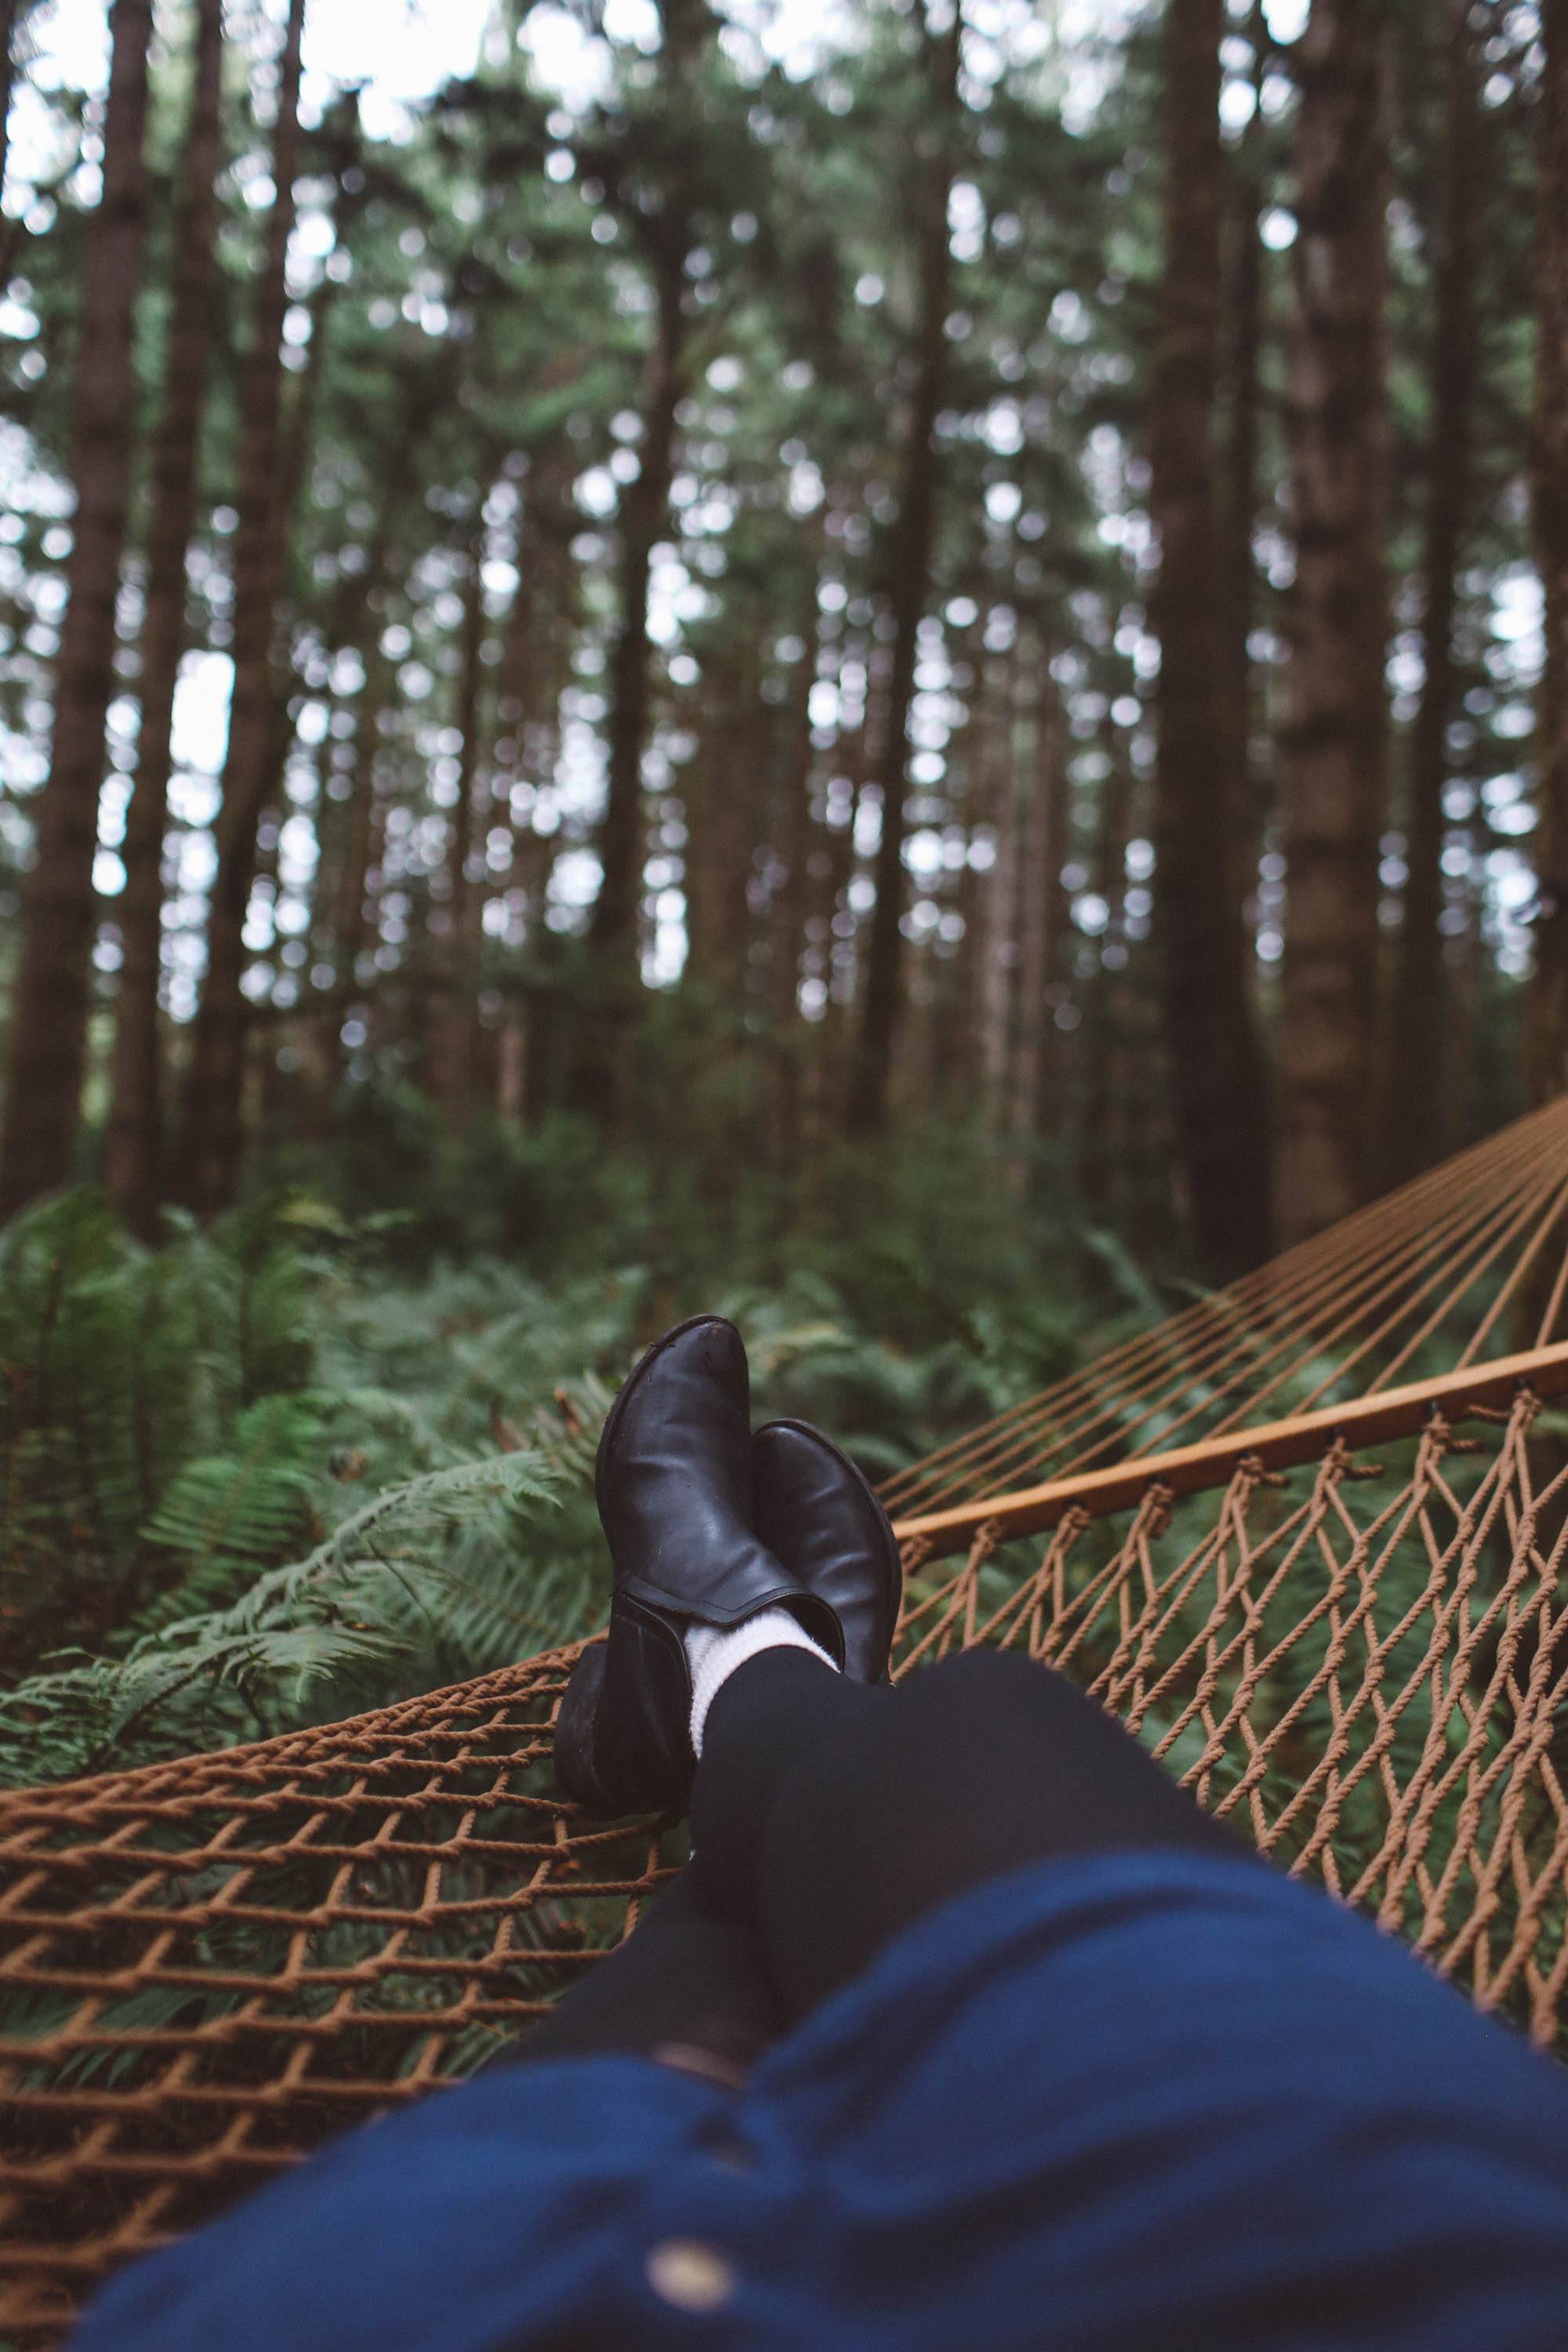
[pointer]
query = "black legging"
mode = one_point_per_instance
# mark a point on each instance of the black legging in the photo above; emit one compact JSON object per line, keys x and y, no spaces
{"x":826,"y":1817}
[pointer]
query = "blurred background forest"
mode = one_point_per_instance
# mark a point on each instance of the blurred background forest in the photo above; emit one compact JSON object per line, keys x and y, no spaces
{"x":901,"y":664}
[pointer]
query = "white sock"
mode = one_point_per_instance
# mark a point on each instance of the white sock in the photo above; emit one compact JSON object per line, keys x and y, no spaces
{"x":713,"y":1653}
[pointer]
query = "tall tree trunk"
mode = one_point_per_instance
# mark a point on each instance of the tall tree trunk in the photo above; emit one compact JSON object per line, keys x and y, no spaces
{"x":792,"y":901}
{"x":1216,"y":1063}
{"x":613,"y":928}
{"x":1248,"y":306}
{"x":350,"y":621}
{"x":346,"y":823}
{"x":1038,"y":1110}
{"x":59,"y":909}
{"x":643,"y":518}
{"x":997,"y":899}
{"x":366,"y":814}
{"x":723,"y":795}
{"x":1332,"y":741}
{"x":1547,"y":1036}
{"x":793,"y":832}
{"x":212,"y":1135}
{"x":962,"y":1042}
{"x":136,"y":1115}
{"x":1414,"y":1089}
{"x":1099,"y":1154}
{"x":455,"y":1024}
{"x":908,"y":572}
{"x":832,"y":927}
{"x":339,"y":145}
{"x":535,"y":667}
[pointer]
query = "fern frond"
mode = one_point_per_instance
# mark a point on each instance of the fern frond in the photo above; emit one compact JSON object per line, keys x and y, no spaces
{"x":285,"y":1635}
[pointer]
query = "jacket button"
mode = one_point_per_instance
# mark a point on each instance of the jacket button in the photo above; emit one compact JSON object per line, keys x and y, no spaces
{"x":690,"y":2275}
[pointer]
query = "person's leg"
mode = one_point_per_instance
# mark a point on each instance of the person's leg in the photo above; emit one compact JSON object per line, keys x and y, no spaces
{"x":689,"y":1986}
{"x":834,"y":1815}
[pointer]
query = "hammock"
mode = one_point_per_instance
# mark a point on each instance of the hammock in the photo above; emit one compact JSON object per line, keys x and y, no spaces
{"x":1306,"y":1539}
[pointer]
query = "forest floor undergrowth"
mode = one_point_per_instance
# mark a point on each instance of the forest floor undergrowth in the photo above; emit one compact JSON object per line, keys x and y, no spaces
{"x":302,"y":1462}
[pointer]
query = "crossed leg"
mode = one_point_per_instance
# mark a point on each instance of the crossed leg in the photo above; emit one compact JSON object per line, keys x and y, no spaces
{"x":827,"y":1816}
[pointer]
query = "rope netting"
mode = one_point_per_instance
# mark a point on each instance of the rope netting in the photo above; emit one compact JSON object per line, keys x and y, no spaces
{"x":1467,"y":1263}
{"x":208,"y":1966}
{"x":1357,"y":1664}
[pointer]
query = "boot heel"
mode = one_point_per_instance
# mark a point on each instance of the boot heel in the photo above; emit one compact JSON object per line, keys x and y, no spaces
{"x":574,"y":1773}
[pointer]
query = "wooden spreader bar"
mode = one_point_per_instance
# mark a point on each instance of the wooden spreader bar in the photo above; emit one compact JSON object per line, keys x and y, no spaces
{"x":1365,"y":1420}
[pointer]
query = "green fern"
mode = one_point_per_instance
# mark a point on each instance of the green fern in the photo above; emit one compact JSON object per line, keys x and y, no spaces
{"x":223,"y":1518}
{"x":256,"y":1664}
{"x":252,"y":1478}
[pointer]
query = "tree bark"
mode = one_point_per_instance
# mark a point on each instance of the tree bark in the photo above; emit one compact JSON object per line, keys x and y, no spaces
{"x":454,"y":1028}
{"x":643,"y":509}
{"x":832,"y":927}
{"x":1547,"y":1032}
{"x":997,"y":906}
{"x":1413,"y":1091}
{"x":535,"y":667}
{"x":1332,"y":741}
{"x":1216,"y":1063}
{"x":1037,"y":1111}
{"x":909,"y":574}
{"x":59,"y":909}
{"x":136,"y":1123}
{"x":213,"y":1136}
{"x":793,"y":830}
{"x":1100,"y":1154}
{"x":600,"y":1073}
{"x":613,"y":926}
{"x":724,"y":796}
{"x":960,"y":1031}
{"x":791,"y":905}
{"x":366,"y":812}
{"x":1249,"y":305}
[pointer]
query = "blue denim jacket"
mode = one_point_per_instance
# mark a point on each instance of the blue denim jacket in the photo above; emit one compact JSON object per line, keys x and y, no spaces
{"x":1119,"y":2103}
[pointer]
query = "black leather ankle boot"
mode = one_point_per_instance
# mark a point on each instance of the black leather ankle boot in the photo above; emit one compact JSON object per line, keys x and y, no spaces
{"x":673,"y":1483}
{"x":823,"y":1523}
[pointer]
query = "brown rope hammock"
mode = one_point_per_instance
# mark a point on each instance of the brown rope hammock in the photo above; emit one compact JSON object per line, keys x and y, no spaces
{"x":1307,"y":1540}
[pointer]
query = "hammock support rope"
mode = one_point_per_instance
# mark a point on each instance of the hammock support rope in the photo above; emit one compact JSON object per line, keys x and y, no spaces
{"x":1342,"y":1628}
{"x":1467,"y":1264}
{"x":1279,"y":1444}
